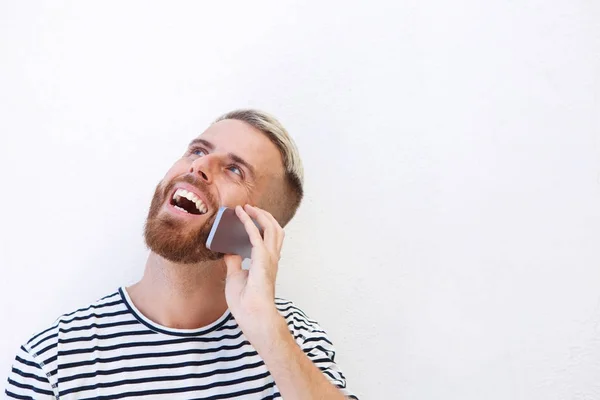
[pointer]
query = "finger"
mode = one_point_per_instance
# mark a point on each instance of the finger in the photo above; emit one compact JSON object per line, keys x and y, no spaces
{"x":251,"y":229}
{"x":233,"y":263}
{"x":279,"y":230}
{"x":266,"y":223}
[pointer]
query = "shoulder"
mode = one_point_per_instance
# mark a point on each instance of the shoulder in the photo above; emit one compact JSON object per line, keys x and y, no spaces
{"x":299,"y":323}
{"x":35,"y":368}
{"x":290,"y":311}
{"x":43,"y":346}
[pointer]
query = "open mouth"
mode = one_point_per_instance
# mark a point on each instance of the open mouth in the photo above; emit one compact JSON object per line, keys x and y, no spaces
{"x":188,"y":202}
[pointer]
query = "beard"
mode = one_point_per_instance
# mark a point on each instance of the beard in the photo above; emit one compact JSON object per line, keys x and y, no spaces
{"x":172,"y":238}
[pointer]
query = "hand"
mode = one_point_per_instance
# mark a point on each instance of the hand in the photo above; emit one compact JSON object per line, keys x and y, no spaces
{"x":250,"y":293}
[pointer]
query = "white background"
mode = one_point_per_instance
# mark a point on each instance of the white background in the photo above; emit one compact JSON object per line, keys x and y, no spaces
{"x":449,"y":240}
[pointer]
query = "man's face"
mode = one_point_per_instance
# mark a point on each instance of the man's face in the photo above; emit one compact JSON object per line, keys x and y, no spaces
{"x":230,"y":164}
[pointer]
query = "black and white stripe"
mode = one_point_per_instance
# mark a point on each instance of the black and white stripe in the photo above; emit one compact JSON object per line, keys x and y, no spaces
{"x":109,"y":350}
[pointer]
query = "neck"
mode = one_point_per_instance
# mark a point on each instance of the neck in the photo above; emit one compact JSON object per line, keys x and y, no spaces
{"x":182,"y":296}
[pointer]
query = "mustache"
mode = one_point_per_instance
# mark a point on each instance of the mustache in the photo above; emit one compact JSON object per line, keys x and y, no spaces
{"x":195,"y":182}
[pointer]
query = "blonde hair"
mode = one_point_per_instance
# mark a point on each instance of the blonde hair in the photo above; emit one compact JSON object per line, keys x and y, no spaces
{"x":292,"y":164}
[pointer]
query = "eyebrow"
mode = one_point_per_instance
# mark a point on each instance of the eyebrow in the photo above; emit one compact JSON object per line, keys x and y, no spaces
{"x":203,"y":142}
{"x":233,"y":157}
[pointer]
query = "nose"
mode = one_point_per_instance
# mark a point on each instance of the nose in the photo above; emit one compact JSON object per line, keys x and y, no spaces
{"x":203,"y":167}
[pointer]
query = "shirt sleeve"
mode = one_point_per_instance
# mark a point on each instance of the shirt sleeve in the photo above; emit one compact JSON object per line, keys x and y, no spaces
{"x":27,"y":380}
{"x":314,"y":342}
{"x":319,"y":349}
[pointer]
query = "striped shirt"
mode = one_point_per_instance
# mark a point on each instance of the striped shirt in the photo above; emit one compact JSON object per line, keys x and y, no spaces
{"x":109,"y":350}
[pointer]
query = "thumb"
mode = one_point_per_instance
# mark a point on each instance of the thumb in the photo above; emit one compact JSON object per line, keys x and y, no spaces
{"x":233,"y":263}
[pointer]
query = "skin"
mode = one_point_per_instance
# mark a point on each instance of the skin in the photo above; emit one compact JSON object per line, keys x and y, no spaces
{"x":189,"y":296}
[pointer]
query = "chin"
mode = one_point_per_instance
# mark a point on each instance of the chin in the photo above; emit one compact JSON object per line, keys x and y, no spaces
{"x":169,"y":238}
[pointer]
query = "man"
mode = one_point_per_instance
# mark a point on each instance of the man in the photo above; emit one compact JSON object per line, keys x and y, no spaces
{"x":198,"y":325}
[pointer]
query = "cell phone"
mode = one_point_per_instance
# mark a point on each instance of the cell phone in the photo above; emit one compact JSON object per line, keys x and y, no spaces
{"x":228,"y":234}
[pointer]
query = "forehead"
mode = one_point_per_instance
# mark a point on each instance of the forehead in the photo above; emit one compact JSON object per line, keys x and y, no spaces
{"x":247,"y":142}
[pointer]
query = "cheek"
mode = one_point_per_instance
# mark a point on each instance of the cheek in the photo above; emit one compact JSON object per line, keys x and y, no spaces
{"x":232,"y":196}
{"x":179,"y":168}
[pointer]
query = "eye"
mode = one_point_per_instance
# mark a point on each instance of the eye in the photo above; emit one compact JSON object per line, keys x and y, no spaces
{"x":199,"y":152}
{"x":236,"y":170}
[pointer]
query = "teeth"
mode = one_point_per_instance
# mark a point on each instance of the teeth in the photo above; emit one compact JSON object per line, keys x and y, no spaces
{"x":179,"y":208}
{"x":191,"y":197}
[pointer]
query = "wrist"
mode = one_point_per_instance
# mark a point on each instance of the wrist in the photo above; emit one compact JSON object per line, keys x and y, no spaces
{"x":268,"y":334}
